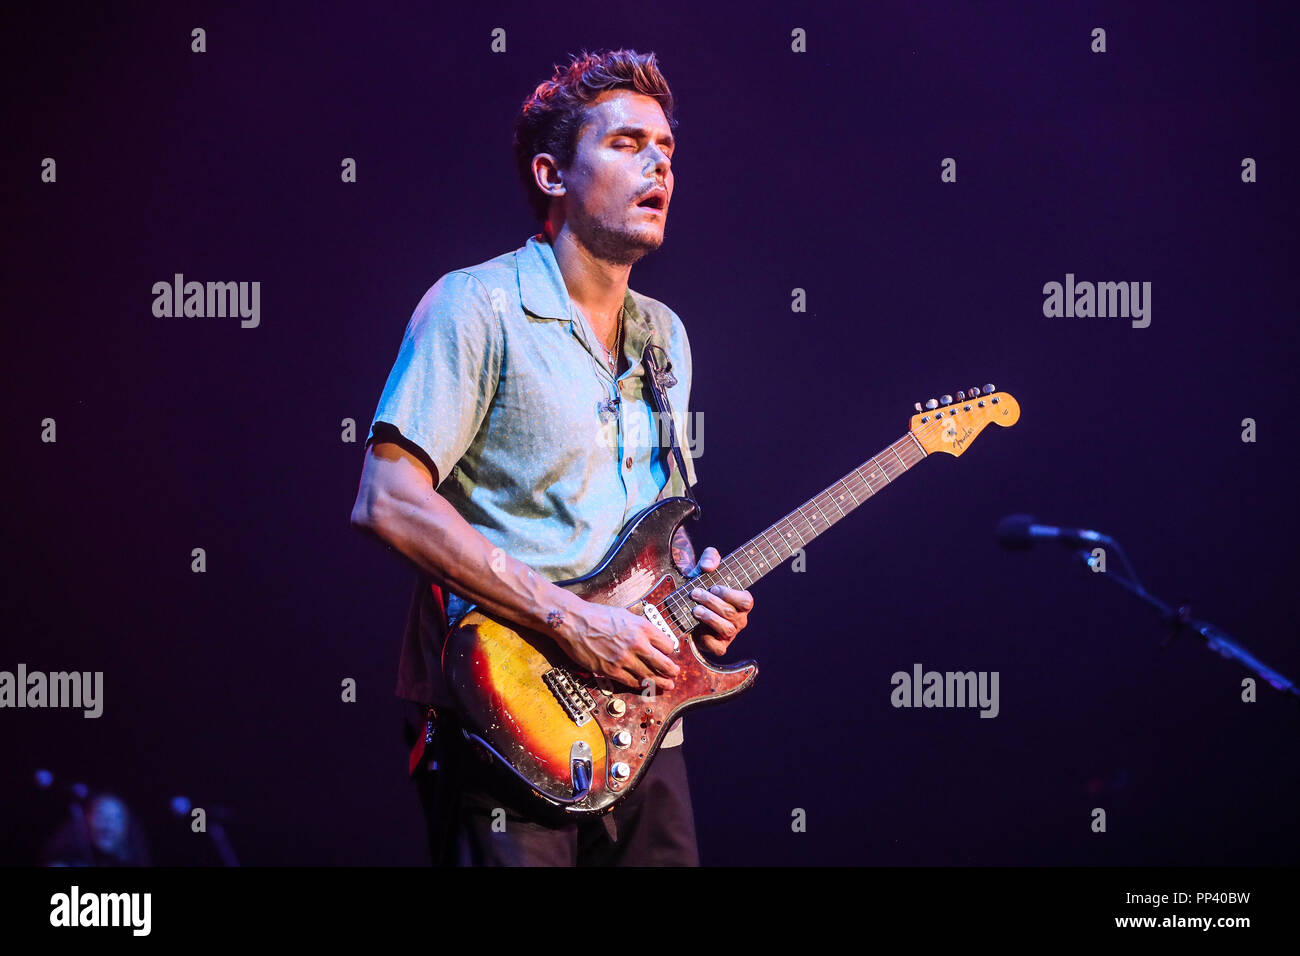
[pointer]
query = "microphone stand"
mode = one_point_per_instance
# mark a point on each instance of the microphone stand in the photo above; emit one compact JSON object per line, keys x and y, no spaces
{"x":77,"y":810}
{"x":1180,"y":619}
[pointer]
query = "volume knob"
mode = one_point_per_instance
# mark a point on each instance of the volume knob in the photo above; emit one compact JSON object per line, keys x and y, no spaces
{"x":623,"y":739}
{"x":620,"y":771}
{"x":616,"y":707}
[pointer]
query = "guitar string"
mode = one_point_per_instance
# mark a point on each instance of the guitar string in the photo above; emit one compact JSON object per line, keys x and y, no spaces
{"x":864,"y":485}
{"x":742,"y":556}
{"x":676,"y":603}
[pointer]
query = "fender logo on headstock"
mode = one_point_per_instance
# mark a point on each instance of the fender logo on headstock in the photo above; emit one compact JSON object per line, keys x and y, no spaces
{"x":950,"y":435}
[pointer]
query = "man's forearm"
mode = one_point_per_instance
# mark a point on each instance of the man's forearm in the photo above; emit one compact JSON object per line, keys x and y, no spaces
{"x":434,"y":537}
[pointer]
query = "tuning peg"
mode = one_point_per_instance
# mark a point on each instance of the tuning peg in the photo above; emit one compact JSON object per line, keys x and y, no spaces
{"x":946,"y":399}
{"x":973,"y":391}
{"x":988,"y":389}
{"x":961,"y":396}
{"x":917,"y":406}
{"x":932,"y":404}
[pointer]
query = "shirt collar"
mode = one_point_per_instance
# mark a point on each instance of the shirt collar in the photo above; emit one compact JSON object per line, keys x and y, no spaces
{"x":542,"y":291}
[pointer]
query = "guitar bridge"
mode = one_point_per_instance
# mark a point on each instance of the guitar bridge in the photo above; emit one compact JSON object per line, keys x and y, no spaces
{"x":573,"y":697}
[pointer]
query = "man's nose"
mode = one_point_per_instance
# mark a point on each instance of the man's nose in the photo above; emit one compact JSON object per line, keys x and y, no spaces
{"x":661,"y":165}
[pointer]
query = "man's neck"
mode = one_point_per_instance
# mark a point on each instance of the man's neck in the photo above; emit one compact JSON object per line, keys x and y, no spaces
{"x":596,"y":286}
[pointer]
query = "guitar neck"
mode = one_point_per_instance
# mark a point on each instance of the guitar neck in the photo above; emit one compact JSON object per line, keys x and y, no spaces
{"x":770,"y":548}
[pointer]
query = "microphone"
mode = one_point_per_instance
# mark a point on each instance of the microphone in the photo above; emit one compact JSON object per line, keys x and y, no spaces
{"x":1020,"y":531}
{"x":607,"y":409}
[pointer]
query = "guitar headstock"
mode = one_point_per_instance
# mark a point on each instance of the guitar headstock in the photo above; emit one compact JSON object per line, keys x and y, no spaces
{"x":951,"y":426}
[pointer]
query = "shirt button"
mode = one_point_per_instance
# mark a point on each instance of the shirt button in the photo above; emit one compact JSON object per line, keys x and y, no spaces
{"x":627,"y":462}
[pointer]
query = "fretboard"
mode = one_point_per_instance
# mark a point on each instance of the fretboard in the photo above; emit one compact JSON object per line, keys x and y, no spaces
{"x":768,"y":549}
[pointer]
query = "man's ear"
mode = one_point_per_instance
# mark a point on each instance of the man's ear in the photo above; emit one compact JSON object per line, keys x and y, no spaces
{"x":547,"y":175}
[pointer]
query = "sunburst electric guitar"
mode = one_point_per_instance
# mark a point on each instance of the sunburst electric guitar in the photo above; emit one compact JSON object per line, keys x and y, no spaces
{"x":581,"y":743}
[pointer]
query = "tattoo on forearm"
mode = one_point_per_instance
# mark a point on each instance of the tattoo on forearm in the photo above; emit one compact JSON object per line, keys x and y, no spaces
{"x":683,"y":551}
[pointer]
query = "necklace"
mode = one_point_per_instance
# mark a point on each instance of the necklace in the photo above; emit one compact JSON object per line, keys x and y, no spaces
{"x":606,"y":410}
{"x":611,"y":357}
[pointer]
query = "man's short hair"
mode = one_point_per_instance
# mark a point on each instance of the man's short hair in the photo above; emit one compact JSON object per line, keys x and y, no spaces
{"x":552,"y":116}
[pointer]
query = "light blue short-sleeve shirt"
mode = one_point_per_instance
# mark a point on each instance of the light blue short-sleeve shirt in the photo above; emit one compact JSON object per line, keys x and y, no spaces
{"x":502,"y":384}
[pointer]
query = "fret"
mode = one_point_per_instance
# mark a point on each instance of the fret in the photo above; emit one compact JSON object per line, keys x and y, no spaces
{"x":866,"y":488}
{"x":679,"y":612}
{"x":741,"y":571}
{"x":899,"y":457}
{"x":730,"y":572}
{"x":774,"y":557}
{"x":835,"y":500}
{"x":849,"y":488}
{"x":747,"y":564}
{"x":826,"y":524}
{"x":830,"y":500}
{"x":792,"y":532}
{"x":881,"y":468}
{"x":725,"y":572}
{"x":811,"y":527}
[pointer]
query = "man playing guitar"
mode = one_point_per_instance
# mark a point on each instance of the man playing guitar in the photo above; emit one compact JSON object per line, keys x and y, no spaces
{"x":490,"y":463}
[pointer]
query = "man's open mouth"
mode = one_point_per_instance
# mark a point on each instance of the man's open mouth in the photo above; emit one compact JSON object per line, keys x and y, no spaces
{"x":655,"y":199}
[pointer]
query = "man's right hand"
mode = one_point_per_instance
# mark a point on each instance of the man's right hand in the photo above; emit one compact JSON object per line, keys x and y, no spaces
{"x":616,"y":643}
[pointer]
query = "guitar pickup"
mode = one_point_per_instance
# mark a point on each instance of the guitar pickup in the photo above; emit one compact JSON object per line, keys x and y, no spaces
{"x":654,"y":617}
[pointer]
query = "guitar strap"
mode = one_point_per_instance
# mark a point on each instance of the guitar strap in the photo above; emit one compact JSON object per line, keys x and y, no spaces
{"x":660,"y":379}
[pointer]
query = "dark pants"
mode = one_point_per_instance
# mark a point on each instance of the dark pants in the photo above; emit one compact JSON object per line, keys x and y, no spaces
{"x":477,"y":816}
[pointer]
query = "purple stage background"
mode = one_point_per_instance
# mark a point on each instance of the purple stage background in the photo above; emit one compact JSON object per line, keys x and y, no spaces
{"x":818,"y":171}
